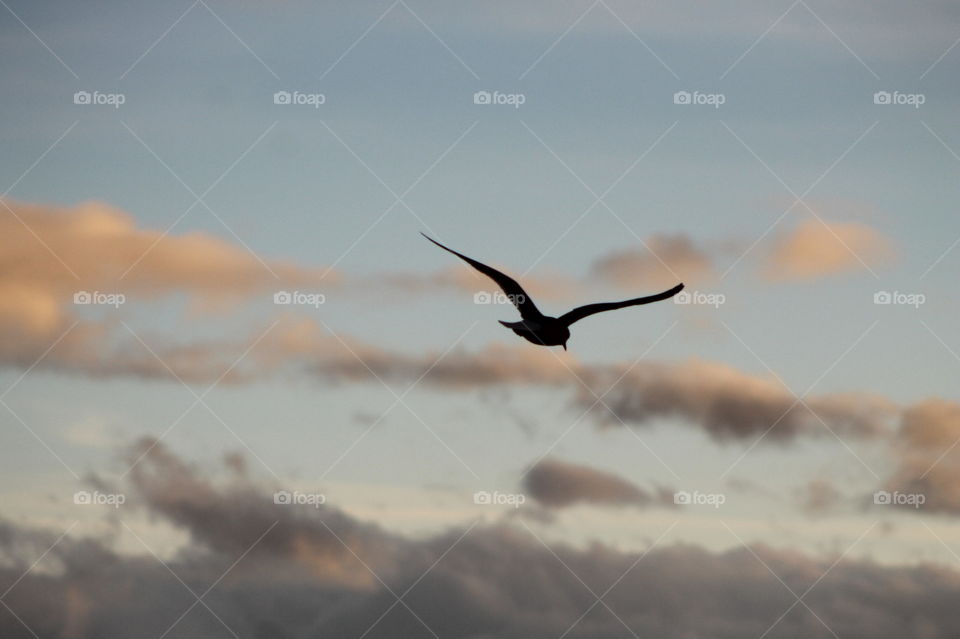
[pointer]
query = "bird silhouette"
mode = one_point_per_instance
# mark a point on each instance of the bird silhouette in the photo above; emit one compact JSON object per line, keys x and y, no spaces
{"x":540,"y":329}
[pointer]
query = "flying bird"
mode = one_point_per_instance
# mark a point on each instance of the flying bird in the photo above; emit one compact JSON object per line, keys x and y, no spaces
{"x":537,"y":328}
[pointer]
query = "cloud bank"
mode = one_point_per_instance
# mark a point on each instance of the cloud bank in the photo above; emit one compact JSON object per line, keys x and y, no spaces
{"x":305,"y":578}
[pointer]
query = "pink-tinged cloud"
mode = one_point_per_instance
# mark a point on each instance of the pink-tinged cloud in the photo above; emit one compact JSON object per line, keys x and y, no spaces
{"x":664,"y":261}
{"x":45,"y":246}
{"x":816,"y":249}
{"x":53,"y":253}
{"x":927,"y":452}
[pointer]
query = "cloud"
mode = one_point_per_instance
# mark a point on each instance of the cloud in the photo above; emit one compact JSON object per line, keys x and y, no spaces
{"x":818,"y":249}
{"x":665,"y":260}
{"x":558,"y":484}
{"x":727,"y":403}
{"x":730,"y":404}
{"x":928,"y":458}
{"x":819,"y":496}
{"x":99,"y":243}
{"x":47,"y":245}
{"x":488,"y":581}
{"x":53,"y":252}
{"x":230,"y":519}
{"x":812,"y":250}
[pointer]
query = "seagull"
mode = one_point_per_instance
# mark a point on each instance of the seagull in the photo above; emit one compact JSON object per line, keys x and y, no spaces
{"x":540,"y":329}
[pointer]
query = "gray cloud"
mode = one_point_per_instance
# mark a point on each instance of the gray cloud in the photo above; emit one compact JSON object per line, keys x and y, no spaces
{"x":229,"y":519}
{"x":726,"y":402}
{"x":558,"y":484}
{"x":730,"y":404}
{"x":497,"y":581}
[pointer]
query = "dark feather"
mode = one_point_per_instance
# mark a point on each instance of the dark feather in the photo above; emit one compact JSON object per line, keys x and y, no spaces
{"x":516,"y":294}
{"x":583,"y":311}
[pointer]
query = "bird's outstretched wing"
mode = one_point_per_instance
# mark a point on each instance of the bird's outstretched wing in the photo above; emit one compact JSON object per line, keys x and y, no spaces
{"x":583,"y":311}
{"x":516,"y":294}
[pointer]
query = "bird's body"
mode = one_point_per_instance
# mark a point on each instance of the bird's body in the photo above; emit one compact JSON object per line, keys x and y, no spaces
{"x":547,"y":332}
{"x":540,"y":329}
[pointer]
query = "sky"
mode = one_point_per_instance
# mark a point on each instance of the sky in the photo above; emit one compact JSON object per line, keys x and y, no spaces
{"x":241,"y":396}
